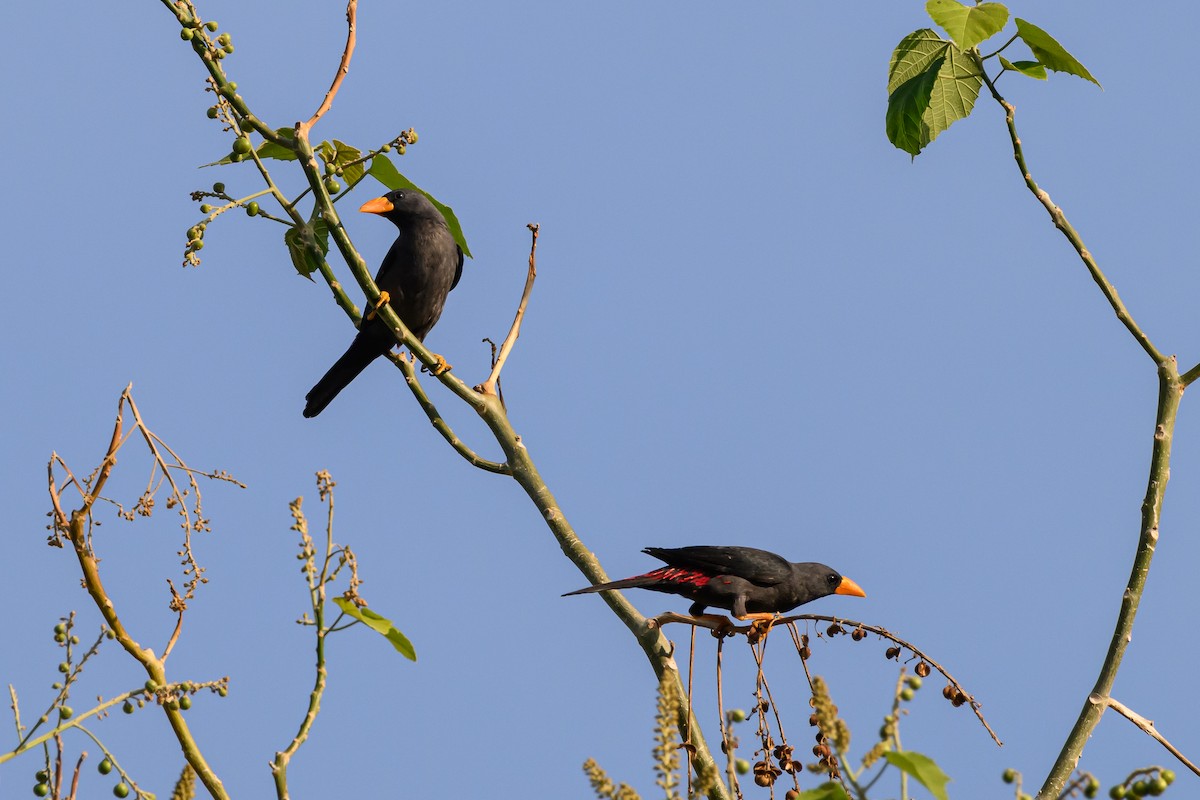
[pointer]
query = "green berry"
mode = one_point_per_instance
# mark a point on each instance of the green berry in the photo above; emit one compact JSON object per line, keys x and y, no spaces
{"x":228,"y":49}
{"x":104,"y":767}
{"x":907,"y":694}
{"x":222,"y":692}
{"x":212,"y":112}
{"x":56,"y":686}
{"x":60,"y":628}
{"x":252,"y":208}
{"x":60,"y":637}
{"x":246,"y":124}
{"x":218,"y":54}
{"x":219,"y":187}
{"x":233,"y":86}
{"x":1167,"y":775}
{"x":400,"y":149}
{"x":742,"y":766}
{"x":914,"y":682}
{"x":1139,"y":788}
{"x":198,"y":245}
{"x":412,"y":136}
{"x":332,"y":186}
{"x":242,"y":145}
{"x":737,"y":715}
{"x":387,"y":148}
{"x":211,"y":25}
{"x":64,"y":668}
{"x":66,"y":712}
{"x":1157,"y":786}
{"x":42,"y":776}
{"x":1010,"y":775}
{"x":152,"y":685}
{"x":74,"y":640}
{"x":1117,"y":792}
{"x":122,"y":788}
{"x":41,"y":789}
{"x":185,"y":703}
{"x":205,"y":208}
{"x":128,"y":707}
{"x":224,"y":39}
{"x":186,"y":34}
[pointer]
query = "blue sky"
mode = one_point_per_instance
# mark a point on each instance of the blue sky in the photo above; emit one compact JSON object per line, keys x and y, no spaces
{"x":756,"y":322}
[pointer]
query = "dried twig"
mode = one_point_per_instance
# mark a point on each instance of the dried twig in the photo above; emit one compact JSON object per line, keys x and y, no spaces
{"x":1147,"y":725}
{"x":343,"y":66}
{"x":489,"y":386}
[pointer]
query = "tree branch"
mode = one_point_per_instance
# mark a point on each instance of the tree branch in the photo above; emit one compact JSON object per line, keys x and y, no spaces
{"x":343,"y":67}
{"x":1147,"y":726}
{"x":489,"y":386}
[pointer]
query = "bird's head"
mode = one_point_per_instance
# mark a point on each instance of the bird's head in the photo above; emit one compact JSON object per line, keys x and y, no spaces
{"x":402,"y":204}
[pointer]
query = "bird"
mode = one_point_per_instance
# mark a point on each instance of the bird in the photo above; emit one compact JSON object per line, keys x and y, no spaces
{"x":420,"y":269}
{"x":750,"y":583}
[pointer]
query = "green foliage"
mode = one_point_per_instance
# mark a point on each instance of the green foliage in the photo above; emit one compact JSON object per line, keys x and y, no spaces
{"x":307,"y":244}
{"x":932,"y":83}
{"x":1049,"y":52}
{"x":923,"y":769}
{"x":968,"y":25}
{"x":1034,"y":69}
{"x":379,"y":624}
{"x":383,"y":170}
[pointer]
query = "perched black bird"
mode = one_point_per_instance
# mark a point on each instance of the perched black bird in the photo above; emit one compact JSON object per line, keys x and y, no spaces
{"x":419,"y":270}
{"x":749,"y":582}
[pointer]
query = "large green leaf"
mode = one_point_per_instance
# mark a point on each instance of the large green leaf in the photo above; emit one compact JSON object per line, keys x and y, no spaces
{"x":1034,"y":69}
{"x":1050,"y":52}
{"x":381,"y":625}
{"x":307,"y":244}
{"x":826,"y":791}
{"x":968,"y":25}
{"x":383,"y":170}
{"x":932,"y":84}
{"x":921,"y":767}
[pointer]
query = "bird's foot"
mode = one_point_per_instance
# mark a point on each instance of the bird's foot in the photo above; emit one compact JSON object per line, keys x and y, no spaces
{"x":440,"y":366}
{"x":760,"y":625}
{"x":384,"y":297}
{"x":720,"y":624}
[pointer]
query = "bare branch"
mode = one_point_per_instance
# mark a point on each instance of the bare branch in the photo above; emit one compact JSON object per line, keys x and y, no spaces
{"x":343,"y":67}
{"x":1147,"y":725}
{"x":489,"y":386}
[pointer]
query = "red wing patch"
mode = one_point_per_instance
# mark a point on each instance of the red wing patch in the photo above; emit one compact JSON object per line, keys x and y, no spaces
{"x":677,"y":575}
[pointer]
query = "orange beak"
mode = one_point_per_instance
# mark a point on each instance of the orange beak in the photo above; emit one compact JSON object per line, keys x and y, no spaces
{"x":849,"y":587}
{"x":380,"y":205}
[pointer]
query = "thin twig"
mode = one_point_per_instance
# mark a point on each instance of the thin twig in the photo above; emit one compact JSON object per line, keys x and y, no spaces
{"x":1147,"y":725}
{"x":489,"y":386}
{"x":343,"y":66}
{"x":440,"y":424}
{"x":1060,"y":221}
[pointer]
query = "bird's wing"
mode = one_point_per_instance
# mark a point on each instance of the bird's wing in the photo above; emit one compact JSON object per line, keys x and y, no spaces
{"x":757,"y":566}
{"x":458,"y":269}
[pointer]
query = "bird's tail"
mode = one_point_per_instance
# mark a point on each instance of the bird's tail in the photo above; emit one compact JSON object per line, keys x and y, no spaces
{"x":625,"y":583}
{"x":362,"y":351}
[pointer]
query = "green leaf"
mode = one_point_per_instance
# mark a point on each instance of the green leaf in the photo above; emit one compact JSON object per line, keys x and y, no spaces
{"x":1034,"y":69}
{"x":968,"y":25}
{"x":932,"y":84}
{"x":383,"y":170}
{"x":826,"y":791}
{"x":1048,"y":51}
{"x":344,"y":155}
{"x":380,"y":625}
{"x":307,"y":244}
{"x":927,"y":773}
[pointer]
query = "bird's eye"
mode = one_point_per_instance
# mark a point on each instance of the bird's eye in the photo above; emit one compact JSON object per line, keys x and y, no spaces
{"x":832,"y":579}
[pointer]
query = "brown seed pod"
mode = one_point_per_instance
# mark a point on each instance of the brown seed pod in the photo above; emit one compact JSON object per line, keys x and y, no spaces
{"x":764,"y":779}
{"x":791,"y":794}
{"x":949,"y":691}
{"x":834,"y":630}
{"x":812,"y":720}
{"x":922,"y":669}
{"x":805,"y":653}
{"x":892,"y":652}
{"x":858,"y":634}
